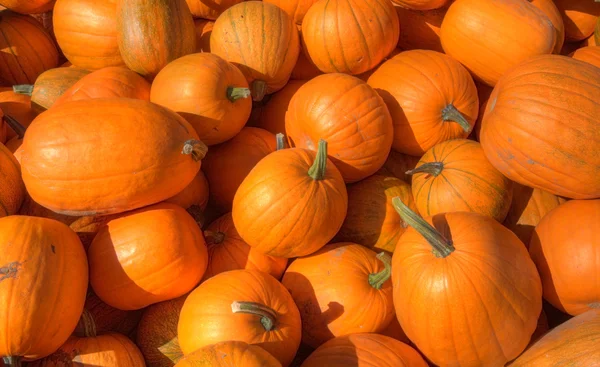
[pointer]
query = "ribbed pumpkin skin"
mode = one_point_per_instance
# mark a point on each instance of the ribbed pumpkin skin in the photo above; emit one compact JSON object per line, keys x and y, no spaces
{"x":349,"y":115}
{"x":86,"y":44}
{"x":555,"y":153}
{"x":417,"y":86}
{"x":272,"y":115}
{"x":194,"y":194}
{"x":349,"y":36}
{"x":589,"y":54}
{"x":420,"y":29}
{"x":563,"y":247}
{"x":573,"y":343}
{"x":204,"y":29}
{"x":210,"y":9}
{"x":55,"y":158}
{"x":490,"y":37}
{"x":152,"y":33}
{"x":580,"y":18}
{"x":296,"y":9}
{"x":260,"y":39}
{"x":229,"y":353}
{"x":41,"y":255}
{"x":364,"y":349}
{"x":12,"y":190}
{"x":27,"y":49}
{"x":28,"y":6}
{"x":51,"y":84}
{"x":196,"y":86}
{"x":552,"y":12}
{"x":128,"y":271}
{"x":421,"y":4}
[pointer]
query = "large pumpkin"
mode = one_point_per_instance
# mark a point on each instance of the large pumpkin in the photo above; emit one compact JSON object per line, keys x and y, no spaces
{"x":292,"y":203}
{"x":230,"y":354}
{"x":209,"y":92}
{"x":579,"y":16}
{"x":490,"y":37}
{"x":210,"y":9}
{"x":260,"y":39}
{"x":12,"y":190}
{"x":40,"y":309}
{"x":476,"y":266}
{"x":589,"y":54}
{"x":27,"y":49}
{"x":152,"y":33}
{"x":532,"y":133}
{"x":28,"y":6}
{"x":420,"y":29}
{"x":129,"y":255}
{"x":296,"y":9}
{"x":562,"y":247}
{"x":351,"y":37}
{"x":552,"y":12}
{"x":349,"y":115}
{"x":431,"y":98}
{"x":87,"y":44}
{"x":157,"y":162}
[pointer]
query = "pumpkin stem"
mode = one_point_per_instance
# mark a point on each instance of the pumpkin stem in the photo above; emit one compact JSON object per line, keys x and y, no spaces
{"x":26,"y":89}
{"x":12,"y":361}
{"x":317,"y":171}
{"x":376,"y":280}
{"x":432,"y":168}
{"x":196,"y":148}
{"x":441,"y":246}
{"x":214,"y":238}
{"x":259,"y":90}
{"x":268,"y":317}
{"x":280,"y":141}
{"x":235,"y":93}
{"x":196,"y":212}
{"x":86,"y":326}
{"x":450,"y":113}
{"x":15,"y":125}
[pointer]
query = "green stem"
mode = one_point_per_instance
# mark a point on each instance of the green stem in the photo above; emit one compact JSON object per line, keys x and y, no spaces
{"x":450,"y":113}
{"x":15,"y":125}
{"x":432,"y":168}
{"x":12,"y":361}
{"x":376,"y":280}
{"x":441,"y":246}
{"x":235,"y":93}
{"x":317,"y":171}
{"x":196,"y":148}
{"x":268,"y":317}
{"x":26,"y":89}
{"x":259,"y":90}
{"x":280,"y":141}
{"x":214,"y":238}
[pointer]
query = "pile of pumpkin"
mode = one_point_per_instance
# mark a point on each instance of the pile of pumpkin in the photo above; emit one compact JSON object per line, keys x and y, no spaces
{"x":300,"y":182}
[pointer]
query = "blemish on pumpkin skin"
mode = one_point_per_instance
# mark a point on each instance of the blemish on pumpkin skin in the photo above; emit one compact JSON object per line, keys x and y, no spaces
{"x":10,"y":270}
{"x":530,"y":161}
{"x":53,"y":249}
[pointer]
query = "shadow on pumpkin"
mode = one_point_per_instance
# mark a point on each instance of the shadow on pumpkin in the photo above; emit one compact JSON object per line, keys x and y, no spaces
{"x":399,"y":119}
{"x":521,"y":196}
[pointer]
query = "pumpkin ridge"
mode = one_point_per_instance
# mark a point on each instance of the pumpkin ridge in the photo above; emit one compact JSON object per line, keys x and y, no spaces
{"x":29,"y":44}
{"x":13,"y":54}
{"x":495,"y":187}
{"x":573,"y":111}
{"x":456,"y":192}
{"x":362,"y":34}
{"x":235,"y":32}
{"x":325,"y":44}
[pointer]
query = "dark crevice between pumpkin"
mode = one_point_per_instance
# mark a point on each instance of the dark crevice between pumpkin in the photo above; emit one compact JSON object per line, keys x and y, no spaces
{"x":198,"y":214}
{"x":450,"y":113}
{"x":214,"y":238}
{"x":86,"y":327}
{"x":280,"y":141}
{"x":259,"y":90}
{"x":319,"y":167}
{"x":442,"y":247}
{"x":432,"y":168}
{"x":235,"y":93}
{"x":195,"y":148}
{"x":26,"y":89}
{"x":377,"y":280}
{"x":12,"y":361}
{"x":268,"y":317}
{"x":15,"y":125}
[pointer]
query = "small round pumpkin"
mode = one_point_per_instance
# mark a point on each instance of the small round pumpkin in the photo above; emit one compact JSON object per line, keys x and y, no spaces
{"x":420,"y":29}
{"x":562,"y":247}
{"x":127,"y":271}
{"x":12,"y":190}
{"x":28,"y":6}
{"x":589,"y":54}
{"x":580,"y":17}
{"x":204,"y":29}
{"x":347,"y":113}
{"x":27,"y":49}
{"x":209,"y":92}
{"x":242,"y":305}
{"x":210,"y":9}
{"x":296,"y":9}
{"x":230,"y":354}
{"x":349,"y":37}
{"x":272,"y":114}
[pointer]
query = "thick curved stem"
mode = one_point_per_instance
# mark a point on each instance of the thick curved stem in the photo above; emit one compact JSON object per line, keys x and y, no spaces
{"x":235,"y":93}
{"x":450,"y":113}
{"x":317,"y":171}
{"x":441,"y":246}
{"x":196,"y":148}
{"x":12,"y":361}
{"x":432,"y":168}
{"x":87,"y":326}
{"x":214,"y":238}
{"x":259,"y":90}
{"x":268,"y":317}
{"x":26,"y":89}
{"x":15,"y":125}
{"x":377,"y":280}
{"x":198,"y":214}
{"x":280,"y":141}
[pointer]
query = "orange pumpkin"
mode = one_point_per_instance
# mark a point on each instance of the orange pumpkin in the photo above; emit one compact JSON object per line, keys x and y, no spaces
{"x":88,"y":226}
{"x":248,"y":31}
{"x":17,"y":106}
{"x":28,"y":6}
{"x":421,"y":4}
{"x":38,"y":255}
{"x":127,"y":271}
{"x":483,"y":91}
{"x":209,"y":92}
{"x":99,"y":318}
{"x":292,"y":203}
{"x":568,"y":275}
{"x":420,"y":28}
{"x":27,"y":49}
{"x":456,"y":176}
{"x":157,"y":333}
{"x":210,"y":9}
{"x":304,"y":69}
{"x":552,"y":12}
{"x":372,"y":221}
{"x":580,"y":17}
{"x":242,"y":305}
{"x":349,"y":115}
{"x":367,"y":34}
{"x":152,"y":33}
{"x":12,"y":190}
{"x":397,"y":164}
{"x":364,"y":349}
{"x":194,"y":195}
{"x":32,"y":209}
{"x":332,"y":286}
{"x":296,"y":9}
{"x":490,"y":37}
{"x":204,"y":29}
{"x":533,"y":135}
{"x":228,"y":251}
{"x":163,"y":158}
{"x":573,"y":343}
{"x":226,"y":165}
{"x":589,"y":54}
{"x":87,"y":44}
{"x":228,"y":354}
{"x":528,"y":207}
{"x":272,"y":114}
{"x":430,"y":96}
{"x":453,"y":288}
